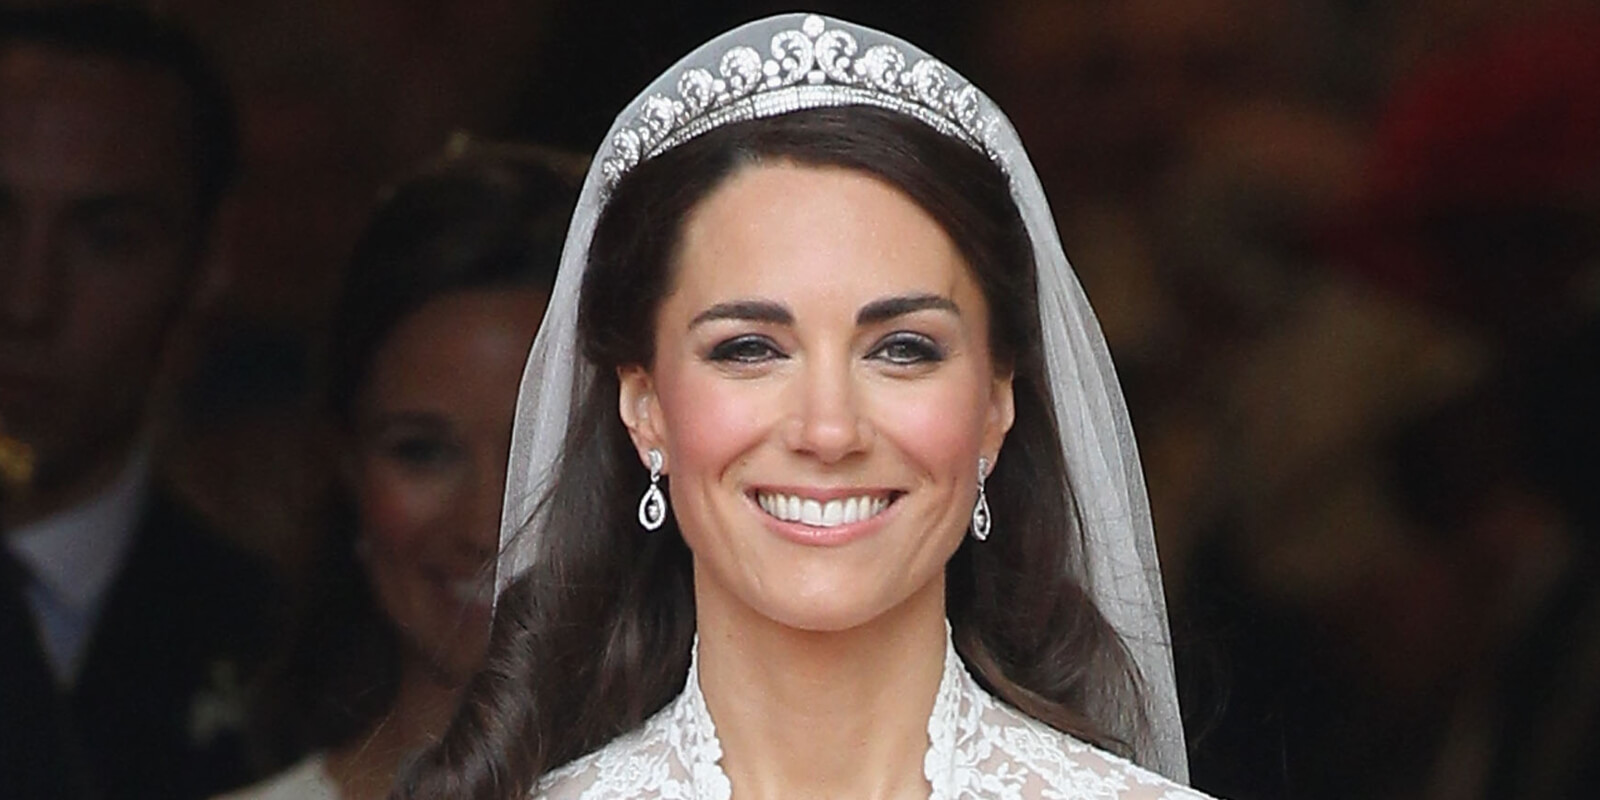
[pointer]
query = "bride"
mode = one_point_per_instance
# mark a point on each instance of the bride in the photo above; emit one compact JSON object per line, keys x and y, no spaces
{"x":822,"y":483}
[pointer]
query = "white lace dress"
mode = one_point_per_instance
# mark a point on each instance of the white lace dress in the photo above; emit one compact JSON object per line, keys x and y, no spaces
{"x":978,"y":747}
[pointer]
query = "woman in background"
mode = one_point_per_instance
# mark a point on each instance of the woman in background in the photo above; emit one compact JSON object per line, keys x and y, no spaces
{"x":446,"y":289}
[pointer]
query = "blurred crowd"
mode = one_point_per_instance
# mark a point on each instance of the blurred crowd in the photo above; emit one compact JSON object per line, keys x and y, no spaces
{"x":1346,"y":253}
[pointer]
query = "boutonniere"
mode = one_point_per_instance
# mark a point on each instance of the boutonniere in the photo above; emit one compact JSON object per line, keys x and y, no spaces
{"x":218,"y":707}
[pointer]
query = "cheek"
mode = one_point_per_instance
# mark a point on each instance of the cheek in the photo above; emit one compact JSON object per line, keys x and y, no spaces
{"x":398,"y":511}
{"x":710,"y":421}
{"x":111,"y":342}
{"x":120,"y":322}
{"x":938,"y":426}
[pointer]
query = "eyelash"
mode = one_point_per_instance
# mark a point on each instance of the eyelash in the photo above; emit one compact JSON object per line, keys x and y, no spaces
{"x":738,"y":350}
{"x":923,"y":349}
{"x":902,"y":348}
{"x":420,"y":451}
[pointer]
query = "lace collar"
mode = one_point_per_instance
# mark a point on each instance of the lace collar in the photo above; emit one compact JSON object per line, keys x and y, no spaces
{"x":978,"y":747}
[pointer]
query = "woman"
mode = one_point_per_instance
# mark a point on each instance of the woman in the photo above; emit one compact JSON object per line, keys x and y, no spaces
{"x":889,"y":537}
{"x":445,"y":292}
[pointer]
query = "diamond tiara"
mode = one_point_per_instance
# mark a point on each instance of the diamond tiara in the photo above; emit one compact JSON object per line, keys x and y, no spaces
{"x":813,"y":67}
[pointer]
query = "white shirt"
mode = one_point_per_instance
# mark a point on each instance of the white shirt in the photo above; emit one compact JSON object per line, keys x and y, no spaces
{"x":978,"y":749}
{"x":73,"y":557}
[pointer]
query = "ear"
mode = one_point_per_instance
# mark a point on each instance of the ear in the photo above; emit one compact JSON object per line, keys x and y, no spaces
{"x":1002,"y":413}
{"x":640,"y":409}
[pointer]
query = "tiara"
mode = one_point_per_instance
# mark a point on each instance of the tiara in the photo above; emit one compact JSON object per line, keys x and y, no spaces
{"x":813,"y":67}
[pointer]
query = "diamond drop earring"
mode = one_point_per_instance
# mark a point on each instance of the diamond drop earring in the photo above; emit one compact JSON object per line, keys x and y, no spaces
{"x":980,"y":512}
{"x":653,"y":506}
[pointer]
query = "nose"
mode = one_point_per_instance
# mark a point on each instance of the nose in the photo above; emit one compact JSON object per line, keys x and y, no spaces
{"x":30,"y":284}
{"x":827,"y":422}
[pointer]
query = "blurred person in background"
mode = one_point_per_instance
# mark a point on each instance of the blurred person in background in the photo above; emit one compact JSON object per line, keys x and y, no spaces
{"x":127,"y":629}
{"x":1364,"y":442}
{"x":1381,"y":454}
{"x":445,"y":292}
{"x":1483,"y":204}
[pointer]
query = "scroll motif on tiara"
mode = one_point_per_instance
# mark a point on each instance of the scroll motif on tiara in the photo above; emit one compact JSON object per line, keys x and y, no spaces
{"x":809,"y":68}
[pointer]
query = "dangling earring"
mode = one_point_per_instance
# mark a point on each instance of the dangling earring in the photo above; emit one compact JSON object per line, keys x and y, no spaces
{"x":653,"y":506}
{"x":980,"y":512}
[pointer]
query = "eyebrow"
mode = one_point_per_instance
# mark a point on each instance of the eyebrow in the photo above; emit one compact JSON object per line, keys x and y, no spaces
{"x":890,"y":307}
{"x":870,"y":314}
{"x":746,"y":310}
{"x":405,"y":418}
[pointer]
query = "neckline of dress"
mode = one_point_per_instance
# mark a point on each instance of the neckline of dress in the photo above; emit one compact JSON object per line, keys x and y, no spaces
{"x":945,"y":724}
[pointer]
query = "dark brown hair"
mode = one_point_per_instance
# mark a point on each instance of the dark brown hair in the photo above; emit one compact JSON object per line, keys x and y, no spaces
{"x":596,"y":636}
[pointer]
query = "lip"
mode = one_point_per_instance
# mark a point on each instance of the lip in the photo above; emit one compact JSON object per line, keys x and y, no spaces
{"x":835,"y":536}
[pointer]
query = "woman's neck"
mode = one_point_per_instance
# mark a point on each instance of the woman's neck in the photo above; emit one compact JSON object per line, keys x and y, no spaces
{"x":836,"y":714}
{"x":423,"y":706}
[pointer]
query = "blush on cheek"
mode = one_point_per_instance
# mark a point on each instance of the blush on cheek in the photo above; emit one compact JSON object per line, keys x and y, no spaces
{"x":711,"y":422}
{"x":393,"y":512}
{"x":940,"y":428}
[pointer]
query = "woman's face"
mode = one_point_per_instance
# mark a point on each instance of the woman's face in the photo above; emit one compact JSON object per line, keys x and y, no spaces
{"x":434,"y":426}
{"x":822,"y":392}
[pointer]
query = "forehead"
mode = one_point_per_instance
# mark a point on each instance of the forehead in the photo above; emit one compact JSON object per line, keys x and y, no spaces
{"x":81,"y":123}
{"x":787,"y":226}
{"x":463,"y":346}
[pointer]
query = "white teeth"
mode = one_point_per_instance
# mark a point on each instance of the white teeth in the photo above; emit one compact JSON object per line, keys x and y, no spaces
{"x":832,"y":513}
{"x":819,"y":514}
{"x":811,"y":513}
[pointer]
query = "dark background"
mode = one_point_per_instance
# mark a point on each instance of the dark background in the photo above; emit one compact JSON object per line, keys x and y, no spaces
{"x":1345,"y":252}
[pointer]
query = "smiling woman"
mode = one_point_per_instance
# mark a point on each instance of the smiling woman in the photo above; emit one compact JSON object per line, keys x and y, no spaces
{"x":818,"y":301}
{"x":445,"y":290}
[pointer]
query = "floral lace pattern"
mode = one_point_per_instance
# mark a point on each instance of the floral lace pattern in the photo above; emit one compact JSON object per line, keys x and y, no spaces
{"x":978,"y":748}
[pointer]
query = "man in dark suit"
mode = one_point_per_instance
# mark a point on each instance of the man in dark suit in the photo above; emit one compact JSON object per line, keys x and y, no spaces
{"x":127,"y":631}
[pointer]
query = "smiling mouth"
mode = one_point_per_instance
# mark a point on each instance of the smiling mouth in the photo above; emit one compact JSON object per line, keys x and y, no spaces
{"x":824,"y":513}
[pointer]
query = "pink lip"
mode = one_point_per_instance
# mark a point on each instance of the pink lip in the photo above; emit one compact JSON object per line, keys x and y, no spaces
{"x":836,"y":536}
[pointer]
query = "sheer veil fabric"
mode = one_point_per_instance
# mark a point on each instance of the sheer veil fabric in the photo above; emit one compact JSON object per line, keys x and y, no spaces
{"x":795,"y":61}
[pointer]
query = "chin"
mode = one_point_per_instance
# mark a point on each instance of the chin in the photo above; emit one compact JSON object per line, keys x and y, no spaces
{"x":826,"y":609}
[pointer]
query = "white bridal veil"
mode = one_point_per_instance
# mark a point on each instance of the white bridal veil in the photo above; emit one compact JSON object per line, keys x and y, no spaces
{"x":798,"y":61}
